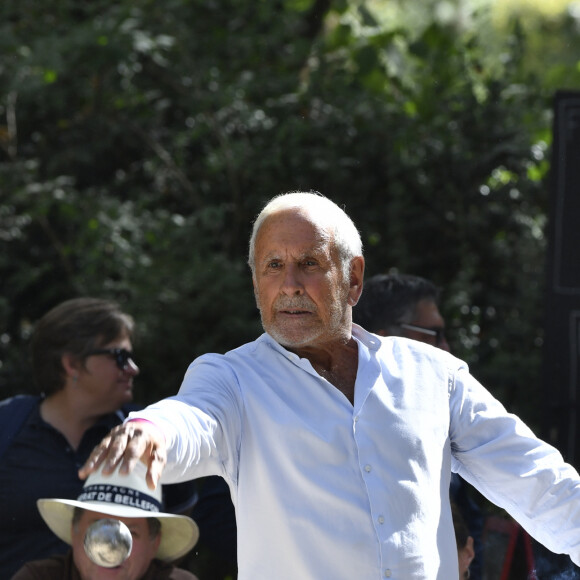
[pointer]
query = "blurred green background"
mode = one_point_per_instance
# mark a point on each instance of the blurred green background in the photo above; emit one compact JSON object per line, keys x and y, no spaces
{"x":139,"y":139}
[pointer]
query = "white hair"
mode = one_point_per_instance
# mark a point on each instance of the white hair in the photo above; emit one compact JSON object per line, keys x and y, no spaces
{"x":345,"y":236}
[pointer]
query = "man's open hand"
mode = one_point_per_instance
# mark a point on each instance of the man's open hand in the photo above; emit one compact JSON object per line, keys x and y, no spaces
{"x":126,"y":444}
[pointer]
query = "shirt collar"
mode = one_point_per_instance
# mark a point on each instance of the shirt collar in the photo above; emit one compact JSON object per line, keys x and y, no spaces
{"x":271,"y":342}
{"x":371,"y":341}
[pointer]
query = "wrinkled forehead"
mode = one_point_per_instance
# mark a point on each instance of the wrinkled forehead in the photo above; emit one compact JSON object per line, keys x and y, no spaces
{"x":298,"y":217}
{"x":294,"y":228}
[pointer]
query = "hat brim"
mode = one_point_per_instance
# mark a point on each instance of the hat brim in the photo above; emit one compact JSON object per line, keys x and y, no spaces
{"x":178,"y":533}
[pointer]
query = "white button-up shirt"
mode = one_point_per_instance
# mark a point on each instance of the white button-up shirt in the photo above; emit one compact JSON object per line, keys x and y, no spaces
{"x":327,"y":490}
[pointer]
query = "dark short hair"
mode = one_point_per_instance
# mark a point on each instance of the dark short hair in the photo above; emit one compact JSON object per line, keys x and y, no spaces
{"x":74,"y":327}
{"x":389,"y":300}
{"x":459,"y":526}
{"x":154,"y":527}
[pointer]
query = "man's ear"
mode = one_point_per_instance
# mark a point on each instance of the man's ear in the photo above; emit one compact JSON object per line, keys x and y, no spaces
{"x":70,"y":364}
{"x":357,"y":271}
{"x":466,"y":554}
{"x":469,"y":548}
{"x":255,"y":287}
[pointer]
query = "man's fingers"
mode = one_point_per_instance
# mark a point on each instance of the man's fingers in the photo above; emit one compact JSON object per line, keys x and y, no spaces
{"x":114,"y":447}
{"x":125,"y":445}
{"x":155,"y":467}
{"x":96,"y":457}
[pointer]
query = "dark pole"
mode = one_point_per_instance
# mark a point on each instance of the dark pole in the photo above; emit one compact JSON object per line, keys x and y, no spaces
{"x":561,"y":355}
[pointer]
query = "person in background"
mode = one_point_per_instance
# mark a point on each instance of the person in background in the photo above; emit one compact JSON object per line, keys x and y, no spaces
{"x":407,"y":305}
{"x":158,"y":538}
{"x":465,"y":551}
{"x":82,"y":362}
{"x":402,"y":305}
{"x":338,"y":444}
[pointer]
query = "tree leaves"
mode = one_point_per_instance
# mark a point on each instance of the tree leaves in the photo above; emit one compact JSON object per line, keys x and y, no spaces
{"x":140,"y":139}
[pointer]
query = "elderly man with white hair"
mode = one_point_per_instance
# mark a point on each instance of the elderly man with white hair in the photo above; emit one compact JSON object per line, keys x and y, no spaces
{"x":338,"y":444}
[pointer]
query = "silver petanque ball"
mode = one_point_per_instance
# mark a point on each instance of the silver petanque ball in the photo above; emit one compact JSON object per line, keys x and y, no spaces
{"x":108,"y":542}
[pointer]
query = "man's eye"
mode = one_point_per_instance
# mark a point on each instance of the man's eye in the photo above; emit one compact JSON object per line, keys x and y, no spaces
{"x":274,"y":265}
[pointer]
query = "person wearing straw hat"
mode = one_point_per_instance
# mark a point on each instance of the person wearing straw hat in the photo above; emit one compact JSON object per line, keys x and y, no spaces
{"x":157,"y":538}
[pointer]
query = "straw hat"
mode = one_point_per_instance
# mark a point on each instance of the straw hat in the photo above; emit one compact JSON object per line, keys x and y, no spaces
{"x":125,"y":496}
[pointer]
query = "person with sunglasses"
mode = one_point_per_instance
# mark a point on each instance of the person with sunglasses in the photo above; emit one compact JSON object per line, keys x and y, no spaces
{"x":402,"y":305}
{"x":82,"y":362}
{"x":408,"y":306}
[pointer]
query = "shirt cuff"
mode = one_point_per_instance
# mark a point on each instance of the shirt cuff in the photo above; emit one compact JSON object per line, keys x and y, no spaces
{"x":140,"y":420}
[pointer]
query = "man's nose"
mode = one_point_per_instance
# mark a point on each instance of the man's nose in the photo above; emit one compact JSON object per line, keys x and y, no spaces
{"x":292,"y":281}
{"x":132,"y":367}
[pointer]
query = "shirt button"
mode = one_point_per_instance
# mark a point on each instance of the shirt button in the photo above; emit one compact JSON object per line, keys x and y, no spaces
{"x":356,"y":419}
{"x":368,"y":468}
{"x":381,"y":520}
{"x":387,"y":573}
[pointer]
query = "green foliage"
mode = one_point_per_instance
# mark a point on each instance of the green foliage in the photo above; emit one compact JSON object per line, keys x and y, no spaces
{"x":139,"y":140}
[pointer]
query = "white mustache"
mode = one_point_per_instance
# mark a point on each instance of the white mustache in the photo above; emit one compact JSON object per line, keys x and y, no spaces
{"x":296,"y":303}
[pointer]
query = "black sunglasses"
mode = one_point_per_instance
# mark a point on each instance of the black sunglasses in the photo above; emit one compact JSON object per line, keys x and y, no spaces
{"x":122,"y":356}
{"x":438,"y":333}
